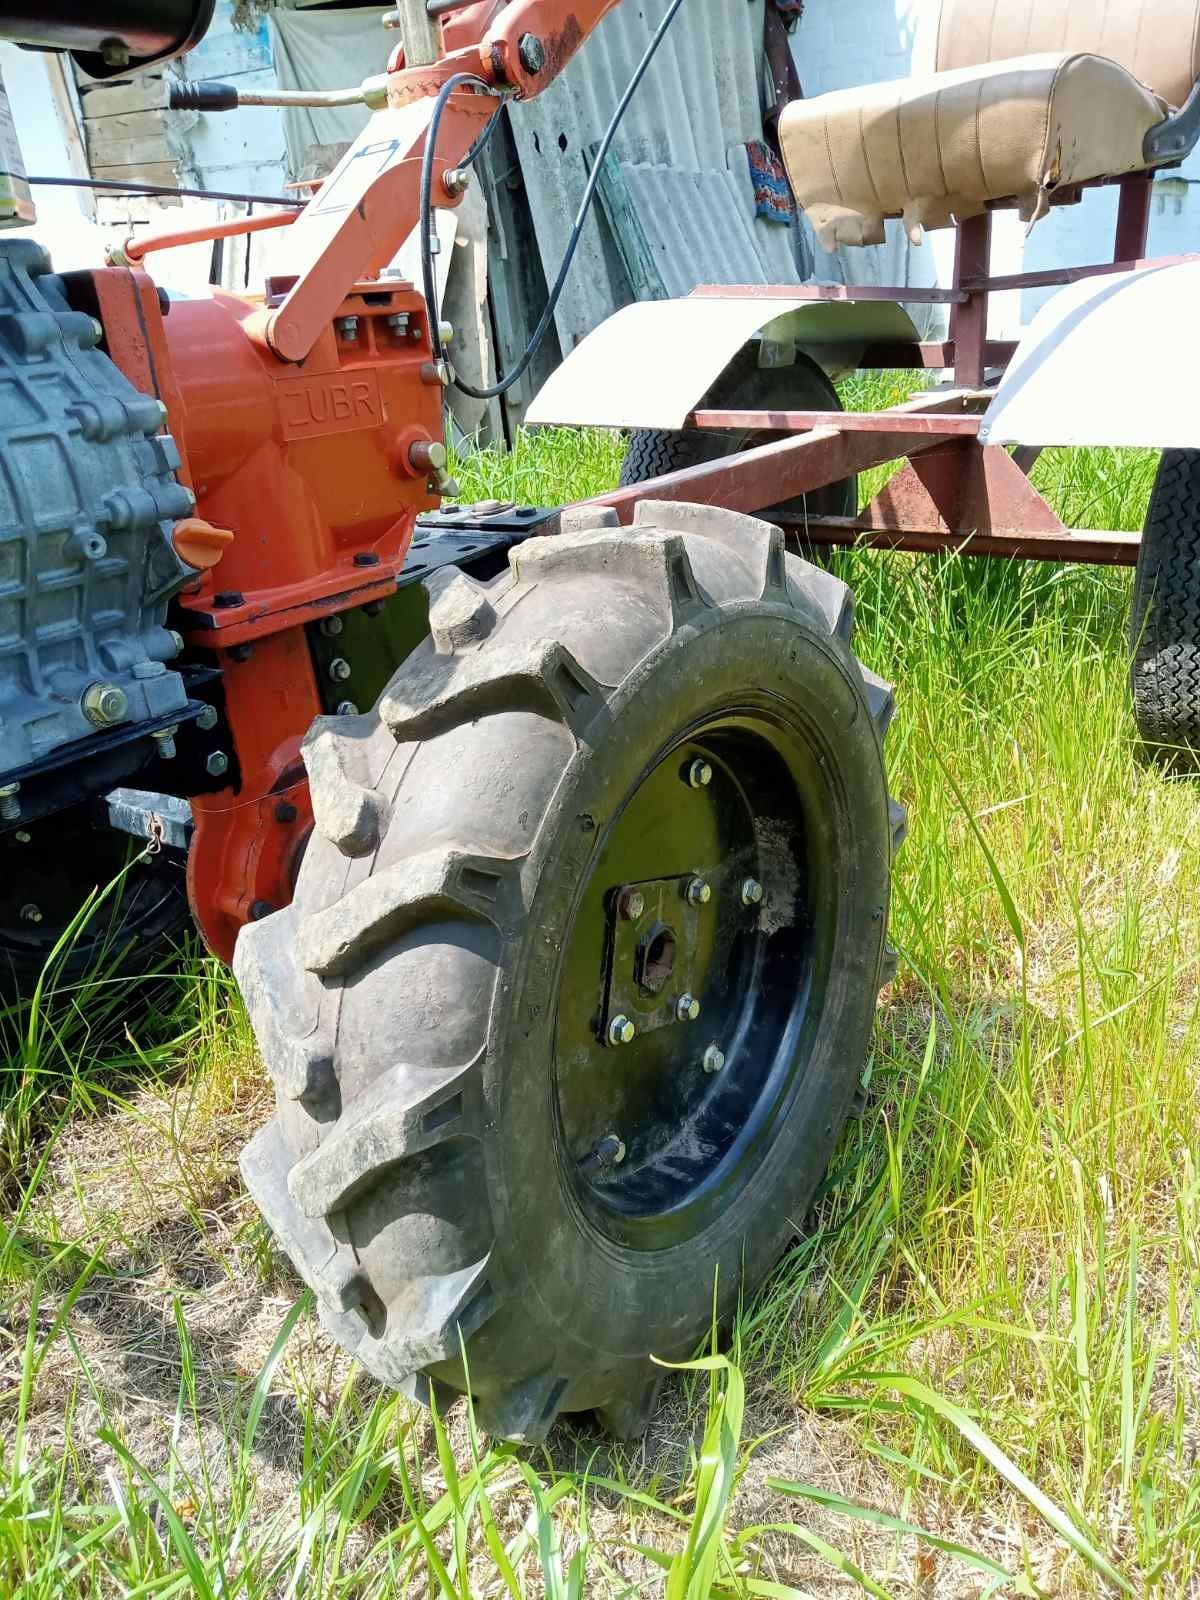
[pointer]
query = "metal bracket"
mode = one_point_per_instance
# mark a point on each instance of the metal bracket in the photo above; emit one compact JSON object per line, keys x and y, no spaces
{"x":148,"y":815}
{"x":654,"y":930}
{"x":1175,"y":136}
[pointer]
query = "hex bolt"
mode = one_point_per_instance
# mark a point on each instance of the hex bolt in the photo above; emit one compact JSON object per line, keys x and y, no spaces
{"x":347,"y":708}
{"x":610,"y":1151}
{"x":714,"y":1058}
{"x":31,"y":913}
{"x":331,"y":626}
{"x":216,"y":764}
{"x":699,"y":774}
{"x":456,"y":181}
{"x":752,"y":892}
{"x":339,"y":669}
{"x":165,"y":739}
{"x":10,"y":806}
{"x":208,"y":719}
{"x":347,"y":328}
{"x":697,"y":892}
{"x":532,"y":53}
{"x":687,"y":1008}
{"x":104,"y":704}
{"x":621,"y":1030}
{"x":398,"y":323}
{"x":630,"y":904}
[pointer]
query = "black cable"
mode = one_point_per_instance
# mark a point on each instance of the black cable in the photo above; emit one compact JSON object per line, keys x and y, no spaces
{"x":163,"y":189}
{"x":427,"y":274}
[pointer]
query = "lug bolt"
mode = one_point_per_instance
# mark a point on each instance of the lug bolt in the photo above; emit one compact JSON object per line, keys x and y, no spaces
{"x":165,"y":739}
{"x":752,"y":892}
{"x":697,"y":892}
{"x":31,"y":913}
{"x":347,"y":708}
{"x":10,"y":806}
{"x":714,"y":1058}
{"x":347,"y":328}
{"x":339,"y":669}
{"x":621,"y":1030}
{"x":631,"y":904}
{"x":699,"y":774}
{"x":217,"y":764}
{"x":687,"y":1008}
{"x":104,"y":704}
{"x":331,"y":626}
{"x":208,"y":719}
{"x":610,"y":1151}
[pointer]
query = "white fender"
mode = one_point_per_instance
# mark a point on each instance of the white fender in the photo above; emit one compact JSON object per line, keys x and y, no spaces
{"x":1107,"y":361}
{"x":650,"y":364}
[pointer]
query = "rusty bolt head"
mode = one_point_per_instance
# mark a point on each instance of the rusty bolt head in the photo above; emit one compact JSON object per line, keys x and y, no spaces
{"x":532,"y":53}
{"x":714,"y":1058}
{"x":697,"y":892}
{"x":752,"y":892}
{"x":631,"y":904}
{"x":699,"y":774}
{"x":621,"y":1030}
{"x":687,"y":1008}
{"x":331,"y":626}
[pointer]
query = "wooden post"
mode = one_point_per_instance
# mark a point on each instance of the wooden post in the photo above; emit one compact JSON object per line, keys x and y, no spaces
{"x":421,"y":34}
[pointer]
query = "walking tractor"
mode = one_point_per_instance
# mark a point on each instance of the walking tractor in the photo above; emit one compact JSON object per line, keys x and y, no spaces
{"x":552,"y":847}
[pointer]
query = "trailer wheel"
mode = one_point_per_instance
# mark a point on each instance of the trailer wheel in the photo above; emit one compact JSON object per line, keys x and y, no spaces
{"x":1164,"y":620}
{"x":577,"y":986}
{"x":651,"y":452}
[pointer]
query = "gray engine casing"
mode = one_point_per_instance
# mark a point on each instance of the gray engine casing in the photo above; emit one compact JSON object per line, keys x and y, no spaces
{"x":88,"y":498}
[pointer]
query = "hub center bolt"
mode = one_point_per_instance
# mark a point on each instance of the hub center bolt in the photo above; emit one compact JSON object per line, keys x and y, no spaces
{"x":621,"y":1031}
{"x":697,"y":892}
{"x":631,"y":904}
{"x":699,"y":774}
{"x":714,"y":1058}
{"x":752,"y":892}
{"x":687,"y":1008}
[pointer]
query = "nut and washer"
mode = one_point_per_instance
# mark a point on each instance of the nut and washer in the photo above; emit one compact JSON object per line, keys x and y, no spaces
{"x":456,"y":181}
{"x":10,"y":806}
{"x":621,"y":1031}
{"x":208,"y":719}
{"x":347,"y":328}
{"x":687,"y":1008}
{"x":339,"y":669}
{"x":398,"y":322}
{"x":631,"y":904}
{"x":104,"y":704}
{"x":714,"y":1058}
{"x":216,"y":764}
{"x":752,"y":892}
{"x":697,"y":892}
{"x":699,"y":774}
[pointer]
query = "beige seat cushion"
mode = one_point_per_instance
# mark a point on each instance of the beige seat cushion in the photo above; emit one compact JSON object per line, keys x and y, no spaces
{"x":939,"y":147}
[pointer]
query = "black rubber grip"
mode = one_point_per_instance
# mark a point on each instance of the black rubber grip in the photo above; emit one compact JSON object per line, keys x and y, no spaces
{"x":205,"y":94}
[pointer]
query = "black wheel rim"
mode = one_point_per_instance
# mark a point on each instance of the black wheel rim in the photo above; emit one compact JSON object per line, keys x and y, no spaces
{"x":656,"y":1137}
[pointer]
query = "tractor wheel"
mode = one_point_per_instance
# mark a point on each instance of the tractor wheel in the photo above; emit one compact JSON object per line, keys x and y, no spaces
{"x":578,"y":983}
{"x":651,"y":452}
{"x":47,"y":871}
{"x":1164,"y":618}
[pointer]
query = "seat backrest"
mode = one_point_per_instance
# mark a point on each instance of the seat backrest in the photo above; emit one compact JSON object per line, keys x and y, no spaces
{"x":1158,"y":41}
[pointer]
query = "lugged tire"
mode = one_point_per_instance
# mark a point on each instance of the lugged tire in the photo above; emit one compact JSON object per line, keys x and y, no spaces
{"x":744,"y":385}
{"x":407,"y":1002}
{"x":1164,"y":617}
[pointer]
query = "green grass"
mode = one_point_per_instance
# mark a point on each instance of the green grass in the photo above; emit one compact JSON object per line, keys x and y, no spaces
{"x":978,"y":1372}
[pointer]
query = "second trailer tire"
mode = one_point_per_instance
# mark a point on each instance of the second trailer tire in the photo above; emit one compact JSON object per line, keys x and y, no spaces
{"x":577,"y":987}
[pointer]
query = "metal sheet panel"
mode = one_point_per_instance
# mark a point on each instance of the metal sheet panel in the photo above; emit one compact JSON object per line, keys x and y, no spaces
{"x":680,"y":149}
{"x":1108,"y":361}
{"x":650,"y":363}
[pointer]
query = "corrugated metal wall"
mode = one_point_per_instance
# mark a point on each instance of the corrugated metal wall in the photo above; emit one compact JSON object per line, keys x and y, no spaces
{"x":680,"y":149}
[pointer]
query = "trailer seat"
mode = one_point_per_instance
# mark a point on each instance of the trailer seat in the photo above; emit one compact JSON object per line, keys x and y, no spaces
{"x":1029,"y":96}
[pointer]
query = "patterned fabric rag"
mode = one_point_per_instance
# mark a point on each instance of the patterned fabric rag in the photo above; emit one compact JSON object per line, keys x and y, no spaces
{"x":773,"y":198}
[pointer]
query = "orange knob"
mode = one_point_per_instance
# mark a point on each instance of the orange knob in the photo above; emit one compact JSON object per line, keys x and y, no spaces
{"x":199,"y":543}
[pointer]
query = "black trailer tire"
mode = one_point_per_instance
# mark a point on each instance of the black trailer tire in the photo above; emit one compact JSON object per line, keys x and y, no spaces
{"x":677,"y":698}
{"x":653,"y":452}
{"x":1164,"y":617}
